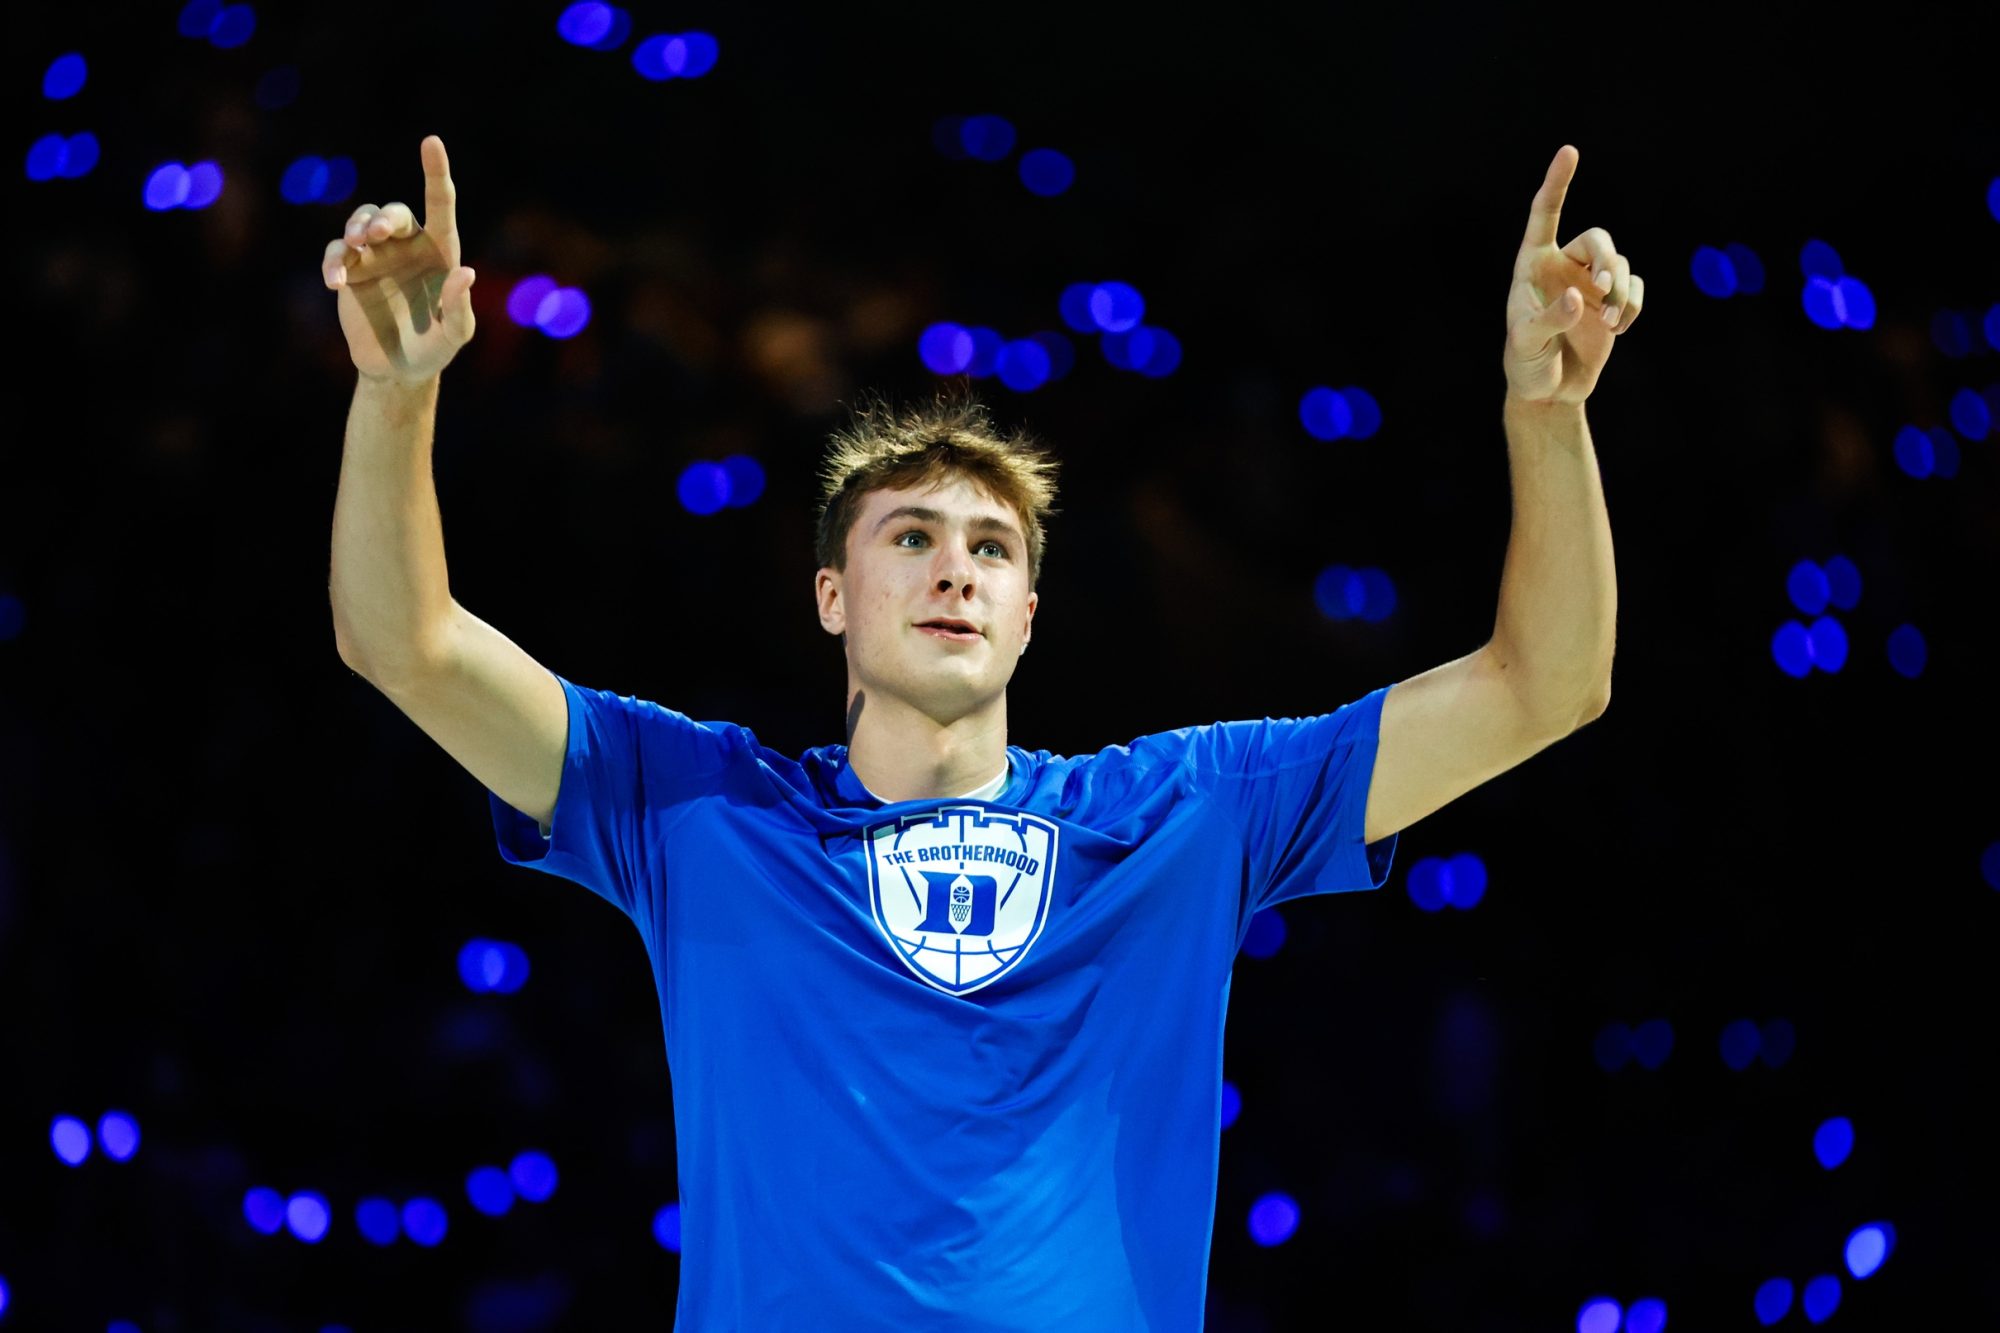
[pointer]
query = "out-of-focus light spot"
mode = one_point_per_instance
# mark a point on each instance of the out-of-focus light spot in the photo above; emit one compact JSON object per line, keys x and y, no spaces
{"x":375,"y":1219}
{"x":1914,"y":452}
{"x":71,"y":1139}
{"x":1325,"y":413}
{"x":1857,"y":303}
{"x":1951,"y":334}
{"x":1612,"y":1048}
{"x":79,"y":155}
{"x":492,"y":966}
{"x":13,"y":617}
{"x":307,"y":1215}
{"x":1266,"y":934}
{"x":1833,"y":1141}
{"x":1970,"y":416}
{"x":690,"y":55}
{"x":1132,"y":348}
{"x":1232,"y":1104}
{"x":1866,"y":1249}
{"x":1774,"y":1301}
{"x":1775,"y":1042}
{"x":1907,"y":651}
{"x":197,"y":17}
{"x":119,"y":1133}
{"x":46,"y":156}
{"x":1822,"y":302}
{"x":1944,"y":452}
{"x":167,"y":187}
{"x":1425,"y":882}
{"x":563,"y":313}
{"x":946,"y":349}
{"x":1817,"y":259}
{"x":64,"y":77}
{"x":1367,"y":415}
{"x":649,"y":57}
{"x":1462,"y":881}
{"x":1646,"y":1316}
{"x":340,"y":180}
{"x":1991,"y":327}
{"x":1273,"y":1219}
{"x":424,"y":1221}
{"x":615,"y":32}
{"x":1061,"y":352}
{"x":121,"y":1326}
{"x":1075,"y":307}
{"x":1600,"y":1314}
{"x":1822,"y":1298}
{"x":1748,"y":268}
{"x":1162,"y":357}
{"x":1989,"y":865}
{"x":534,"y":1176}
{"x":303,"y":180}
{"x":204,"y":185}
{"x":1740,"y":1041}
{"x":1713,"y":272}
{"x":1024,"y":366}
{"x":667,"y":1227}
{"x":1806,"y":585}
{"x":1653,"y":1042}
{"x":278,"y":88}
{"x":489,"y":1190}
{"x":988,"y":138}
{"x":986,"y":347}
{"x":703,"y":488}
{"x":584,"y":24}
{"x":233,"y":27}
{"x":1993,"y":198}
{"x":264,"y":1210}
{"x":526,"y":298}
{"x":746,"y":479}
{"x":1791,"y":649}
{"x":1047,"y":172}
{"x":1843,"y":582}
{"x":1342,"y":593}
{"x":1116,"y":306}
{"x":1828,"y":642}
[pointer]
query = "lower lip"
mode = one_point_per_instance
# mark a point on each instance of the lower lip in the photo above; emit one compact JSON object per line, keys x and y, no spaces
{"x":952,"y":635}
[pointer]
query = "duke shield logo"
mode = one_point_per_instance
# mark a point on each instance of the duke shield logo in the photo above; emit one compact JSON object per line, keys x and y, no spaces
{"x":960,"y":893}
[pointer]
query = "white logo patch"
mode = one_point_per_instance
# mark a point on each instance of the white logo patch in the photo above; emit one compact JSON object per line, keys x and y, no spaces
{"x":960,"y":893}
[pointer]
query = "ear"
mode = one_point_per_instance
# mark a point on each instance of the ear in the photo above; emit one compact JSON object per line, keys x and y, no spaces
{"x":1028,"y":631}
{"x":826,"y":595}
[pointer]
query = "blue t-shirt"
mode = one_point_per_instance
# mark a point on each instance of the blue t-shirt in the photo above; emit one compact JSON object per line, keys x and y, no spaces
{"x":949,"y":1064}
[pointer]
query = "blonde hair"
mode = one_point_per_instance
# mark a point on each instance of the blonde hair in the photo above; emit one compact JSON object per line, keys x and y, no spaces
{"x":889,"y":448}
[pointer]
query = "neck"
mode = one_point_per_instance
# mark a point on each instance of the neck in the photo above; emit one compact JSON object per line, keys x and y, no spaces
{"x":901,"y":753}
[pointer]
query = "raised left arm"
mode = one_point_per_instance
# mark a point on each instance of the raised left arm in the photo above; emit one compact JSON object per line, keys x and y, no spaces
{"x":1546,"y":670}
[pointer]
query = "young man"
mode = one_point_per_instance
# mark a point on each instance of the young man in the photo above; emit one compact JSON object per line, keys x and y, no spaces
{"x":944,"y":1015}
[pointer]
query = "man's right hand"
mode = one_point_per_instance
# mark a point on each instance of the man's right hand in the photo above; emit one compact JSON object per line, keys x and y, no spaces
{"x":405,"y":300}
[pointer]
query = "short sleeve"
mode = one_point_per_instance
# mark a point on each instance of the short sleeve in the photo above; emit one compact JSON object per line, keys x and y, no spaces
{"x":1296,"y":792}
{"x":630,"y":768}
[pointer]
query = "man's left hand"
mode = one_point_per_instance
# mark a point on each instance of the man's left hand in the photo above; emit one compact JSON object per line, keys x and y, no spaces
{"x":1567,"y":304}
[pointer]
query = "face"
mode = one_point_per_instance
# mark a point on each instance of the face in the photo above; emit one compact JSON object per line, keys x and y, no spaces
{"x":962,"y":558}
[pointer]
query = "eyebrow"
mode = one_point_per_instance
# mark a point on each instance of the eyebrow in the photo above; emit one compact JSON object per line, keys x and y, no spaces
{"x":982,"y":523}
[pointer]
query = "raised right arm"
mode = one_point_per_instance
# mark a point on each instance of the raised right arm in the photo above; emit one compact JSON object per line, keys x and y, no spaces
{"x":492,"y":707}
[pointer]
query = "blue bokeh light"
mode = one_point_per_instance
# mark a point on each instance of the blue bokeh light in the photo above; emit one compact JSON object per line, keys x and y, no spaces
{"x":1748,"y":268}
{"x":988,"y":138}
{"x":1714,"y":273}
{"x":1775,"y":1042}
{"x":667,"y":1227}
{"x":1990,"y":326}
{"x":1970,"y":416}
{"x":424,"y":1221}
{"x":1822,"y":303}
{"x":1866,"y":1249}
{"x":1807,"y":586}
{"x":376,"y":1220}
{"x":1600,"y":1314}
{"x":307,"y":1216}
{"x":1266,"y":934}
{"x":303,"y":180}
{"x":1273,"y":1219}
{"x":1914,"y":452}
{"x":534,"y":1176}
{"x":1425,"y":882}
{"x":1046,"y":172}
{"x":527,"y":296}
{"x":1462,"y":879}
{"x":13,"y":617}
{"x":615,"y":32}
{"x":1646,"y":1316}
{"x":1821,"y":1299}
{"x":703,"y":487}
{"x":204,"y":185}
{"x":1366,"y":413}
{"x":563,"y":313}
{"x":1833,"y":1141}
{"x":1653,"y":1042}
{"x":1740,"y":1041}
{"x":490,"y":1190}
{"x":649,"y":57}
{"x":1061,"y":352}
{"x":1828,"y":644}
{"x":1817,"y":259}
{"x":197,"y":17}
{"x":1907,"y":651}
{"x":119,"y":1133}
{"x":1993,"y":198}
{"x":46,"y":157}
{"x":233,"y":27}
{"x":70,"y":1138}
{"x":1773,"y":1301}
{"x":1791,"y":649}
{"x":746,"y":479}
{"x":264,"y":1209}
{"x":1074,"y":307}
{"x":1232,"y":1104}
{"x":1325,"y":413}
{"x":167,"y":187}
{"x":945,"y":348}
{"x":1944,"y":452}
{"x":1856,"y":303}
{"x":65,"y":76}
{"x":1843,"y":582}
{"x":690,"y":55}
{"x":584,"y":24}
{"x":1023,"y":365}
{"x":1116,"y":306}
{"x":3,"y":1295}
{"x":986,"y":347}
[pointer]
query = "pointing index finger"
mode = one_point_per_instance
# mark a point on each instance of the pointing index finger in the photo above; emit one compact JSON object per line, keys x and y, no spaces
{"x":440,"y":195}
{"x":1545,"y":214}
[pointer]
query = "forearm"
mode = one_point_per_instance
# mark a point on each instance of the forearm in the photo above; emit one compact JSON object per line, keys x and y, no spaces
{"x":1558,"y":613}
{"x":391,"y":597}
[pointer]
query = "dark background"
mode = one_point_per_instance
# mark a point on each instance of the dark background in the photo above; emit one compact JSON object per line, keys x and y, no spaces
{"x":234,"y":878}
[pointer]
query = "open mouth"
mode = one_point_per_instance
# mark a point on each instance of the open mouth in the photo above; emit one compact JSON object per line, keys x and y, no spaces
{"x":956,"y":631}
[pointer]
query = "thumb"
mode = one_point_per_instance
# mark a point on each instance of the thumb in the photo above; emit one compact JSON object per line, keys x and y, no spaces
{"x":1561,"y":314}
{"x":456,"y":302}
